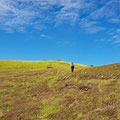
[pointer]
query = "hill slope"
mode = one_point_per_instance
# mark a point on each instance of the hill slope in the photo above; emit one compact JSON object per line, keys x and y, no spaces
{"x":47,"y":90}
{"x":37,"y":65}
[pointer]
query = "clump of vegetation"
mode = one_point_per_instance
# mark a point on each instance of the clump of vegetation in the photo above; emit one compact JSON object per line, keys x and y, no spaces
{"x":29,"y":90}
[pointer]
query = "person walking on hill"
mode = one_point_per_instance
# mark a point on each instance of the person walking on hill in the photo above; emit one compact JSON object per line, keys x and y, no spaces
{"x":72,"y":67}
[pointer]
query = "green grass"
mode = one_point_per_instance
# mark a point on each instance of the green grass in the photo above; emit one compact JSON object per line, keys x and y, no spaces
{"x":34,"y":64}
{"x":47,"y":90}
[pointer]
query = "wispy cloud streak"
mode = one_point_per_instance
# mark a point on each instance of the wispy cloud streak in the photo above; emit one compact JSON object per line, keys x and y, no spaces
{"x":19,"y":14}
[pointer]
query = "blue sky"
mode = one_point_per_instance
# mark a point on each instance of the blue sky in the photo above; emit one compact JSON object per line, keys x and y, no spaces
{"x":80,"y":31}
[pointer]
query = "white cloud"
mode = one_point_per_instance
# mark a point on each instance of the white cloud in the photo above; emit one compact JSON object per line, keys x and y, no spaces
{"x":118,"y":30}
{"x":101,"y":40}
{"x":112,"y":36}
{"x":115,"y":20}
{"x":110,"y":10}
{"x":18,"y":14}
{"x":43,"y":35}
{"x":117,"y":45}
{"x":91,"y":26}
{"x":111,"y":31}
{"x":116,"y":39}
{"x":95,"y":29}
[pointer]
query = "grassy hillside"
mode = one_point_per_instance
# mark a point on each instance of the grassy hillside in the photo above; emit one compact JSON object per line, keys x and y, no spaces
{"x":47,"y":90}
{"x":37,"y":65}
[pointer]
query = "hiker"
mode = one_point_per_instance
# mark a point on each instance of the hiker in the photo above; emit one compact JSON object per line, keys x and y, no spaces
{"x":72,"y":67}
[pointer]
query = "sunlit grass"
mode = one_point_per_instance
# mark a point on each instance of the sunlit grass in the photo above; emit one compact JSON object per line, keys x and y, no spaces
{"x":47,"y":90}
{"x":35,"y":64}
